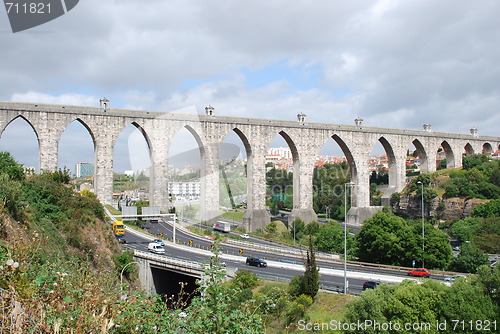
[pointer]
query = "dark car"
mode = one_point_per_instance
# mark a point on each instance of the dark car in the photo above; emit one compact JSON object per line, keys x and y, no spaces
{"x":370,"y":284}
{"x":256,"y":261}
{"x":419,"y":272}
{"x":121,"y":238}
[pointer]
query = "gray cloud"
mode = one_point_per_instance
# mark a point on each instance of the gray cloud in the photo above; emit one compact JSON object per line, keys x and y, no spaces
{"x":395,"y":63}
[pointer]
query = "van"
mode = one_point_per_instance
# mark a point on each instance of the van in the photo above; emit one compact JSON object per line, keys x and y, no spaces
{"x":156,"y":248}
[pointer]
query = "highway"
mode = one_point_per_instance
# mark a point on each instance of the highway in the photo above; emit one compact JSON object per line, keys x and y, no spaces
{"x":257,"y":247}
{"x":283,"y":262}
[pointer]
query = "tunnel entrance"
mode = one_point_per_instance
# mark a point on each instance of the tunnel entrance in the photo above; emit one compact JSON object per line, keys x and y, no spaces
{"x":169,"y":283}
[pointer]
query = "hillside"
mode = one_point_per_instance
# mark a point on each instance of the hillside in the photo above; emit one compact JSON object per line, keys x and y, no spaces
{"x":59,"y":261}
{"x":451,"y":194}
{"x":60,"y":272}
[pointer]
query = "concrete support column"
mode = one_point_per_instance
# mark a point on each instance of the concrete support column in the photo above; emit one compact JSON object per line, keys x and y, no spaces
{"x":256,"y":216}
{"x":457,"y":151}
{"x":303,"y":171}
{"x":431,"y":149}
{"x":158,"y":179}
{"x":361,"y":180}
{"x":397,"y":172}
{"x":209,"y":179}
{"x":49,"y":134}
{"x":49,"y":142}
{"x":103,"y":173}
{"x":146,"y":276}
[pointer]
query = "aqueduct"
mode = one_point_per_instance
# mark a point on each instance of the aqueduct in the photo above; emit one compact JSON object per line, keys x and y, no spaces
{"x":305,"y":140}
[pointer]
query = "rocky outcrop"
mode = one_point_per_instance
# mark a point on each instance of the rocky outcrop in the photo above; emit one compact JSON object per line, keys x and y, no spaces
{"x":441,"y":208}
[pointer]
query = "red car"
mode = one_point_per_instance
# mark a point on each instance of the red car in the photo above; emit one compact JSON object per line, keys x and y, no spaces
{"x":420,"y":272}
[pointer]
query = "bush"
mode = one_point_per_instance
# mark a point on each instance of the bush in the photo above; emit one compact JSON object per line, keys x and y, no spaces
{"x":469,"y":259}
{"x":245,"y":279}
{"x":486,"y":210}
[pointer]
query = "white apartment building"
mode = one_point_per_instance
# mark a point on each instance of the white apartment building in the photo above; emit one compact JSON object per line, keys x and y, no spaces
{"x":184,"y":189}
{"x":283,"y":152}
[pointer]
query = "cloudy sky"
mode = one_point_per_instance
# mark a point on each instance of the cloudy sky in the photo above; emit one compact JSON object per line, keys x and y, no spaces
{"x":396,"y":64}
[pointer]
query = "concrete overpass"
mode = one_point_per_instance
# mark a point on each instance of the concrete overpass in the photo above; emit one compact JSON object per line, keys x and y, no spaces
{"x":159,"y":274}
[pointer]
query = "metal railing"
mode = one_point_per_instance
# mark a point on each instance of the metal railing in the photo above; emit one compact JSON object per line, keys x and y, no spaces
{"x":170,"y":260}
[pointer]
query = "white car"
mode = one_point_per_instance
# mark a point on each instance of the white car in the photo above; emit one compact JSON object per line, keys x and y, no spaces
{"x":244,"y":236}
{"x":454,"y":277}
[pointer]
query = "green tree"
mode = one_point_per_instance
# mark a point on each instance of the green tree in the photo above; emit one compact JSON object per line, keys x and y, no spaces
{"x":312,"y":228}
{"x":328,"y":188}
{"x":10,"y":167}
{"x":271,"y":228}
{"x":296,"y":228}
{"x":489,"y":209}
{"x":274,"y":208}
{"x":245,"y":279}
{"x":412,"y":303}
{"x":488,"y":279}
{"x":465,"y":229}
{"x":330,"y":238}
{"x":474,"y":161}
{"x":488,"y":236}
{"x":10,"y":194}
{"x":310,"y":280}
{"x":380,"y":239}
{"x":217,"y":308}
{"x":386,"y":238}
{"x":469,"y":259}
{"x":307,"y":284}
{"x":60,"y":176}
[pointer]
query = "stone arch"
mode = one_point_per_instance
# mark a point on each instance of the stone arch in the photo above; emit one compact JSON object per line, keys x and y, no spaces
{"x":233,"y":163}
{"x":334,"y":194}
{"x":348,"y":155}
{"x":449,"y":155}
{"x":85,"y":125}
{"x":394,"y":177}
{"x":487,"y":148}
{"x":296,"y":167}
{"x":197,"y":137}
{"x":353,"y":171}
{"x":291,"y":144}
{"x":139,"y":156}
{"x":469,"y":150}
{"x":294,"y":189}
{"x":34,"y":142}
{"x":63,"y":143}
{"x":244,"y":140}
{"x":26,"y":120}
{"x":422,"y":155}
{"x":143,"y":132}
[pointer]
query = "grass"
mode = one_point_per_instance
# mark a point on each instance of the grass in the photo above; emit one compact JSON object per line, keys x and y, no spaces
{"x":113,"y":210}
{"x":234,"y":215}
{"x":327,"y":307}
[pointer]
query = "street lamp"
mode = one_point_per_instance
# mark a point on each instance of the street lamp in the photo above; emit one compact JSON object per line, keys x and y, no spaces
{"x":173,"y":228}
{"x":121,"y":273}
{"x":423,"y":245}
{"x":345,"y":234}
